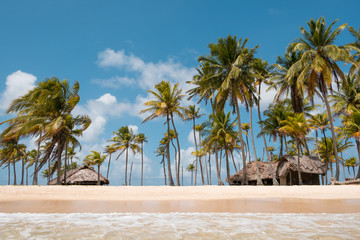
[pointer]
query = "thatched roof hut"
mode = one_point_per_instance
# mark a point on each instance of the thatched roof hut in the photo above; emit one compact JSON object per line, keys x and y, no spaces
{"x":267,"y":171}
{"x":84,"y":175}
{"x":310,"y":167}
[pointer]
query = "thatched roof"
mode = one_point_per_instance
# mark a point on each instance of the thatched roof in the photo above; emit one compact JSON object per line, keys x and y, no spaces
{"x":308,"y":164}
{"x":84,"y":175}
{"x":264,"y":168}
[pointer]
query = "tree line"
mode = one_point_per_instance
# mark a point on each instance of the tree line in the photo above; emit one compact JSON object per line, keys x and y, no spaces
{"x":228,"y":77}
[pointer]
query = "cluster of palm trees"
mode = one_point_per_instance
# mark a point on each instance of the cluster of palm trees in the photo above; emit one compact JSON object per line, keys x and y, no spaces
{"x":44,"y":113}
{"x":231,"y":75}
{"x":125,"y":140}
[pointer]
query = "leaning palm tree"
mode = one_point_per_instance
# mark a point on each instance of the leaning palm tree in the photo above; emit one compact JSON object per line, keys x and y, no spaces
{"x":109,"y":150}
{"x":140,"y":138}
{"x":95,"y":159}
{"x":318,"y":64}
{"x":166,"y":104}
{"x":297,"y":127}
{"x":125,"y":140}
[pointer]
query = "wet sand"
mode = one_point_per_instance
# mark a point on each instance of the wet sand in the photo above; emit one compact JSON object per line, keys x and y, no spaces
{"x":242,"y":199}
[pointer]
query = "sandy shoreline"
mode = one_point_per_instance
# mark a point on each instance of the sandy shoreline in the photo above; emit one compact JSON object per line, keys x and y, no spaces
{"x":267,"y":199}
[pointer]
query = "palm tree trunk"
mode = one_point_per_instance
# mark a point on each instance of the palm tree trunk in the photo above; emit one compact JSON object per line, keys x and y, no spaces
{"x":13,"y":162}
{"x":22,"y":171}
{"x":244,"y":181}
{"x":201,"y":166}
{"x":298,"y":165}
{"x":131,"y":166}
{"x":357,"y":140}
{"x":209,"y":169}
{"x":65,"y":162}
{"x":196,"y":158}
{"x":48,"y":176}
{"x":171,"y":182}
{"x":281,"y":147}
{"x":179,"y":155}
{"x":9,"y":173}
{"x":58,"y":181}
{"x":233,"y":160}
{"x":175,"y":154}
{"x":258,"y":177}
{"x":27,"y":176}
{"x":98,"y":181}
{"x":227,"y":164}
{"x":108,"y":168}
{"x":163,"y":161}
{"x":333,"y":135}
{"x":126,"y":163}
{"x":248,"y":148}
{"x":142,"y":163}
{"x":35,"y":178}
{"x":220,"y":182}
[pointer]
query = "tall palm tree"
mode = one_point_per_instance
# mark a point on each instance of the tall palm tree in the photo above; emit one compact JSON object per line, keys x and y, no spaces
{"x":161,"y":151}
{"x":318,"y":64}
{"x":351,"y":162}
{"x":297,"y":127}
{"x":166,"y":104}
{"x":109,"y":150}
{"x":191,"y":114}
{"x":125,"y":140}
{"x":140,"y":138}
{"x":95,"y":159}
{"x":232,"y":62}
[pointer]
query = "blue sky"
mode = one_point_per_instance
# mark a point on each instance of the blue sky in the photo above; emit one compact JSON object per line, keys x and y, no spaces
{"x":119,"y":49}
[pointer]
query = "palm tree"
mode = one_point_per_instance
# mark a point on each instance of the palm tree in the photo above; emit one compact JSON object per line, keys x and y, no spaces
{"x":161,"y":151}
{"x":109,"y":150}
{"x":246,"y":128}
{"x":124,"y":140}
{"x":191,"y":168}
{"x":232,"y":62}
{"x":318,"y":65}
{"x":288,"y":85}
{"x":45,"y":112}
{"x":351,"y":162}
{"x":355,"y":46}
{"x":223,"y":131}
{"x":191,"y":114}
{"x":95,"y":159}
{"x":275,"y":115}
{"x":140,"y":138}
{"x":297,"y":127}
{"x":348,"y":97}
{"x":166,"y":104}
{"x":351,"y":128}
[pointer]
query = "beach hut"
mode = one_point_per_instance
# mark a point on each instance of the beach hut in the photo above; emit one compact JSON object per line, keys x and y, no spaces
{"x":84,"y":175}
{"x":310,"y":167}
{"x":267,"y":172}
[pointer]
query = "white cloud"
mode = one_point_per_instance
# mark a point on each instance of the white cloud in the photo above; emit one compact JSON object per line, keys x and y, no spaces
{"x":148,"y":73}
{"x":267,"y":97}
{"x":17,"y":84}
{"x":99,"y":110}
{"x":115,"y":82}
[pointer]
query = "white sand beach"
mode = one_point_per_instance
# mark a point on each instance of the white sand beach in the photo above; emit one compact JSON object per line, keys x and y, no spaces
{"x":278,"y":199}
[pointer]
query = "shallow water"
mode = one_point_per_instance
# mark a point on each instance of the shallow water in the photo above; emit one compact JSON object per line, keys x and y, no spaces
{"x":179,"y":226}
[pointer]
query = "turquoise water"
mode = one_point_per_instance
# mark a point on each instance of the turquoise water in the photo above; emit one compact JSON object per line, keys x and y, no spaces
{"x":179,"y":226}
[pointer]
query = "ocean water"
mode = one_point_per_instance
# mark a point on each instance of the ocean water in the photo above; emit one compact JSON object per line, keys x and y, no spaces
{"x":179,"y":226}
